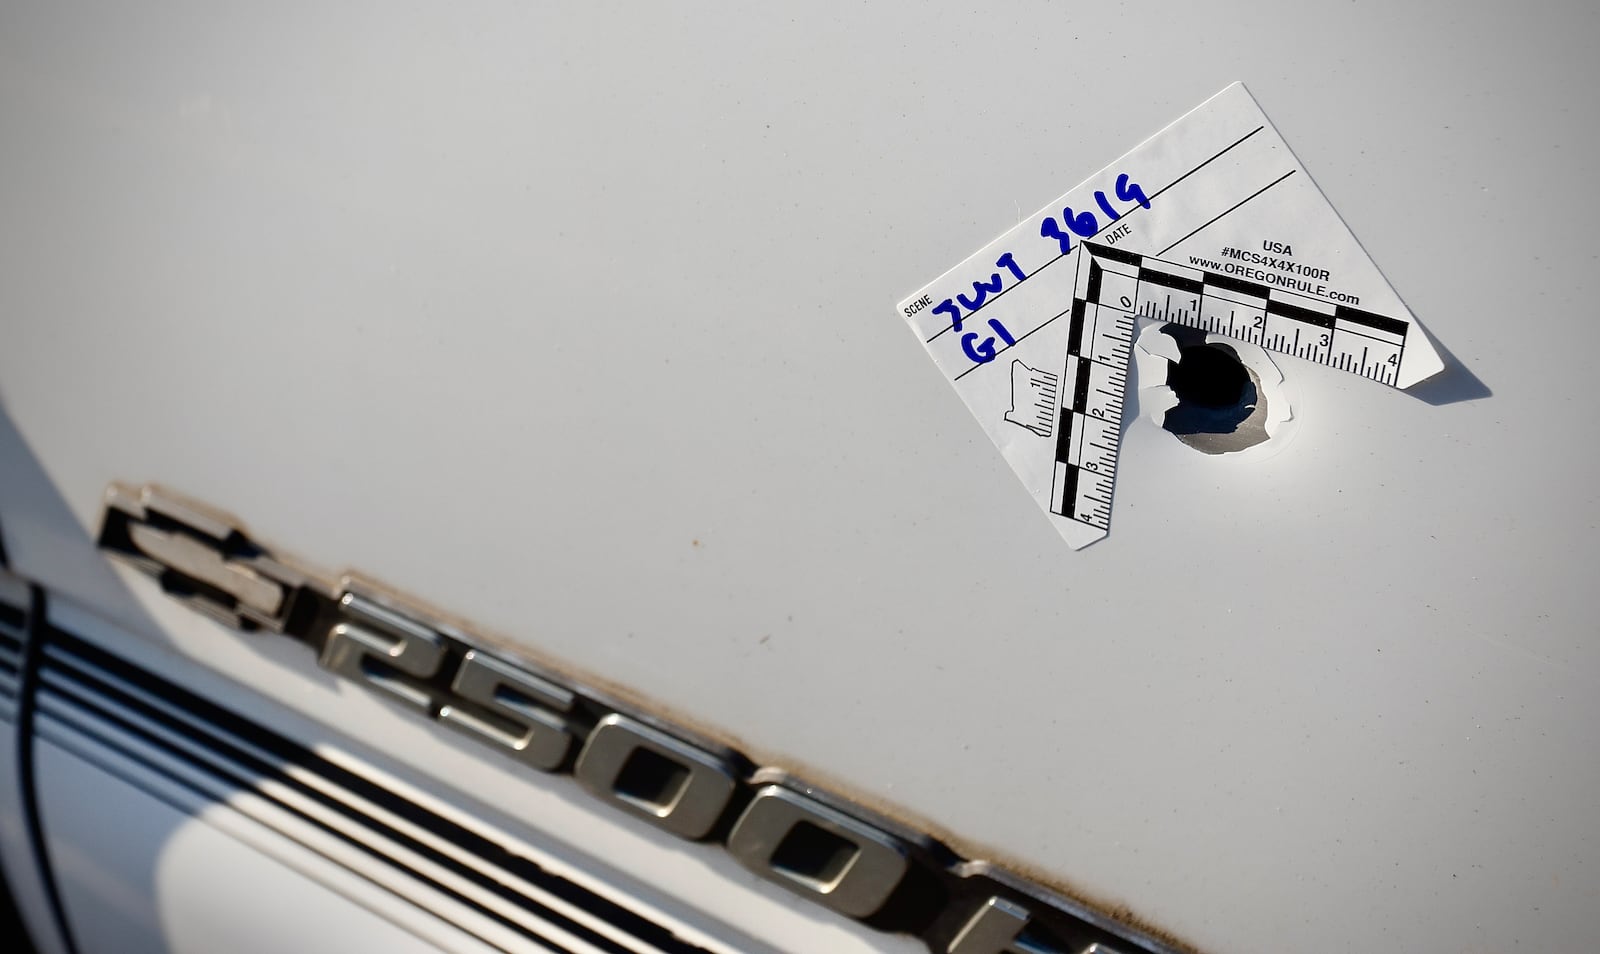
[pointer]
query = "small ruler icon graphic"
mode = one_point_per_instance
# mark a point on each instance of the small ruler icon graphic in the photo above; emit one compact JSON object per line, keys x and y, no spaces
{"x":1212,"y":224}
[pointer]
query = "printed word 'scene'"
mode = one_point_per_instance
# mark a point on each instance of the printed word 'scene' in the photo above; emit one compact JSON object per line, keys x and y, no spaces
{"x":918,"y":305}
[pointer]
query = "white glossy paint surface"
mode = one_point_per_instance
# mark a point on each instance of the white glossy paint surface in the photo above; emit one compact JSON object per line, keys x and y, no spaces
{"x":145,"y":878}
{"x":697,"y":892}
{"x":579,"y":324}
{"x":21,"y":871}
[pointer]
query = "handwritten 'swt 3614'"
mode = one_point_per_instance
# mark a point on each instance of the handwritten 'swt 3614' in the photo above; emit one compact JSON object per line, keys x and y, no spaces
{"x":1081,"y":224}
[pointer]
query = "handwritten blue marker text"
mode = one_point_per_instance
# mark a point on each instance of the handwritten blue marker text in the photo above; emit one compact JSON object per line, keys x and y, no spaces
{"x":1082,"y":224}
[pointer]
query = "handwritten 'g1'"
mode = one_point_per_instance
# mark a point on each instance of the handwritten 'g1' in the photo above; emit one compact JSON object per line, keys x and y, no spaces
{"x":984,"y":351}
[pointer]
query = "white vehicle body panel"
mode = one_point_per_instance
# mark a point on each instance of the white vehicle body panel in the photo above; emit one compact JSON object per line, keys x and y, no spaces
{"x":576,"y":324}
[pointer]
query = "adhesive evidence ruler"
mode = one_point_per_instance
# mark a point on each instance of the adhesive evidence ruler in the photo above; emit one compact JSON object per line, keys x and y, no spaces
{"x":1211,"y":223}
{"x":1115,"y":287}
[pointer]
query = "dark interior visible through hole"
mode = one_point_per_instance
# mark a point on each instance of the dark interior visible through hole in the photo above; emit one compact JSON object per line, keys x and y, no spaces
{"x":1216,"y":392}
{"x":1206,"y":376}
{"x":651,"y":780}
{"x":809,"y":853}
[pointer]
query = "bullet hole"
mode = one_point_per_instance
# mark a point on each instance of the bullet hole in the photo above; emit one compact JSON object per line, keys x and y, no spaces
{"x":1212,"y":395}
{"x":1215,"y":391}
